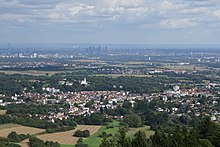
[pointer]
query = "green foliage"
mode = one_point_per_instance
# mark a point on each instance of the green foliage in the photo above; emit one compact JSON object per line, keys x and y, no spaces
{"x":205,"y":134}
{"x":14,"y":137}
{"x":209,"y":130}
{"x":8,"y":144}
{"x":121,"y":140}
{"x":19,"y":114}
{"x":133,"y":121}
{"x":80,"y":143}
{"x":105,"y":135}
{"x":94,"y":119}
{"x":139,"y":139}
{"x":35,"y":142}
{"x":4,"y":119}
{"x":84,"y":133}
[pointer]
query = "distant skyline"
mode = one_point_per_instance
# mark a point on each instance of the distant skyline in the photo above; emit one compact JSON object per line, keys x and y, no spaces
{"x":110,"y":21}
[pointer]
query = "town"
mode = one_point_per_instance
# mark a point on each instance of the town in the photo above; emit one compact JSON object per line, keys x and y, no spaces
{"x":144,"y":89}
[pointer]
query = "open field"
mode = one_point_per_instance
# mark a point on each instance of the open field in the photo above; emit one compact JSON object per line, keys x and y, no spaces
{"x":4,"y":126}
{"x":67,"y":137}
{"x":95,"y":141}
{"x":8,"y":128}
{"x":146,"y":129}
{"x":2,"y":112}
{"x":184,"y":67}
{"x":119,"y":75}
{"x":31,"y":72}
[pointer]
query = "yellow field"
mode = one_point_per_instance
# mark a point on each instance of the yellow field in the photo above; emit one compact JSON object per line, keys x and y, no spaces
{"x":67,"y":137}
{"x":32,"y":72}
{"x":2,"y":112}
{"x":146,"y":129}
{"x":8,"y":128}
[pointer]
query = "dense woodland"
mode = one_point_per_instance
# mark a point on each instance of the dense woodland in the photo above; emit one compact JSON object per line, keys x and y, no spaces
{"x":15,"y":84}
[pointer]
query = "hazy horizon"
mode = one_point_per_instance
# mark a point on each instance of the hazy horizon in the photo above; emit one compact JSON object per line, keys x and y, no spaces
{"x":108,"y":45}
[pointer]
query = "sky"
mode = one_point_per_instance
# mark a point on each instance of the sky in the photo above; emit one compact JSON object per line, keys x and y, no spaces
{"x":110,"y":21}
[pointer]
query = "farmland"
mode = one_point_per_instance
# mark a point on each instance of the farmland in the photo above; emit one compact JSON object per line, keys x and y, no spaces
{"x":95,"y":141}
{"x":2,"y":112}
{"x":31,"y":72}
{"x":67,"y":137}
{"x":8,"y":128}
{"x":146,"y":129}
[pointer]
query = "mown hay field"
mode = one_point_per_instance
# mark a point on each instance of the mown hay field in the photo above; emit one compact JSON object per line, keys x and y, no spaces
{"x":8,"y":128}
{"x":2,"y":112}
{"x":67,"y":137}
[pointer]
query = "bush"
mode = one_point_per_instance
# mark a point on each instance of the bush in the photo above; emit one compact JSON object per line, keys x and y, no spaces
{"x":81,"y":145}
{"x":14,"y":137}
{"x":35,"y":142}
{"x":84,"y":133}
{"x":110,"y":127}
{"x":105,"y":135}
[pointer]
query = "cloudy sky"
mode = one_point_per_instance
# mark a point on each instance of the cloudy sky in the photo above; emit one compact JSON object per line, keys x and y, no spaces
{"x":110,"y":21}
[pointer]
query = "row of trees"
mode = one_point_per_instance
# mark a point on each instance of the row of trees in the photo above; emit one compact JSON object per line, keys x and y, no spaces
{"x":121,"y":140}
{"x":35,"y":142}
{"x":58,"y":126}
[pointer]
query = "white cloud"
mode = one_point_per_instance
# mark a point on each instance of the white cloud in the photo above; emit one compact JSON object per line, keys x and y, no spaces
{"x":168,"y":6}
{"x":217,"y":13}
{"x":67,"y":11}
{"x":197,"y":10}
{"x":167,"y":13}
{"x":177,"y":23}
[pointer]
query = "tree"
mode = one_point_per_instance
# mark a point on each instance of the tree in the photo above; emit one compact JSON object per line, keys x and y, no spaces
{"x":80,"y":140}
{"x":80,"y":143}
{"x":13,"y":136}
{"x":139,"y":139}
{"x":106,"y":143}
{"x":133,"y":121}
{"x":35,"y":142}
{"x":84,"y":133}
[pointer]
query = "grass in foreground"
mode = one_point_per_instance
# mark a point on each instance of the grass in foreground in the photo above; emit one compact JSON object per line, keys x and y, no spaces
{"x":95,"y":141}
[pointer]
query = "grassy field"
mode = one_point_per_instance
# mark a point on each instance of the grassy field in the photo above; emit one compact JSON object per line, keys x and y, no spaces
{"x":2,"y":112}
{"x":95,"y":141}
{"x":5,"y":129}
{"x":146,"y":129}
{"x":31,"y":72}
{"x":66,"y":138}
{"x":119,"y":75}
